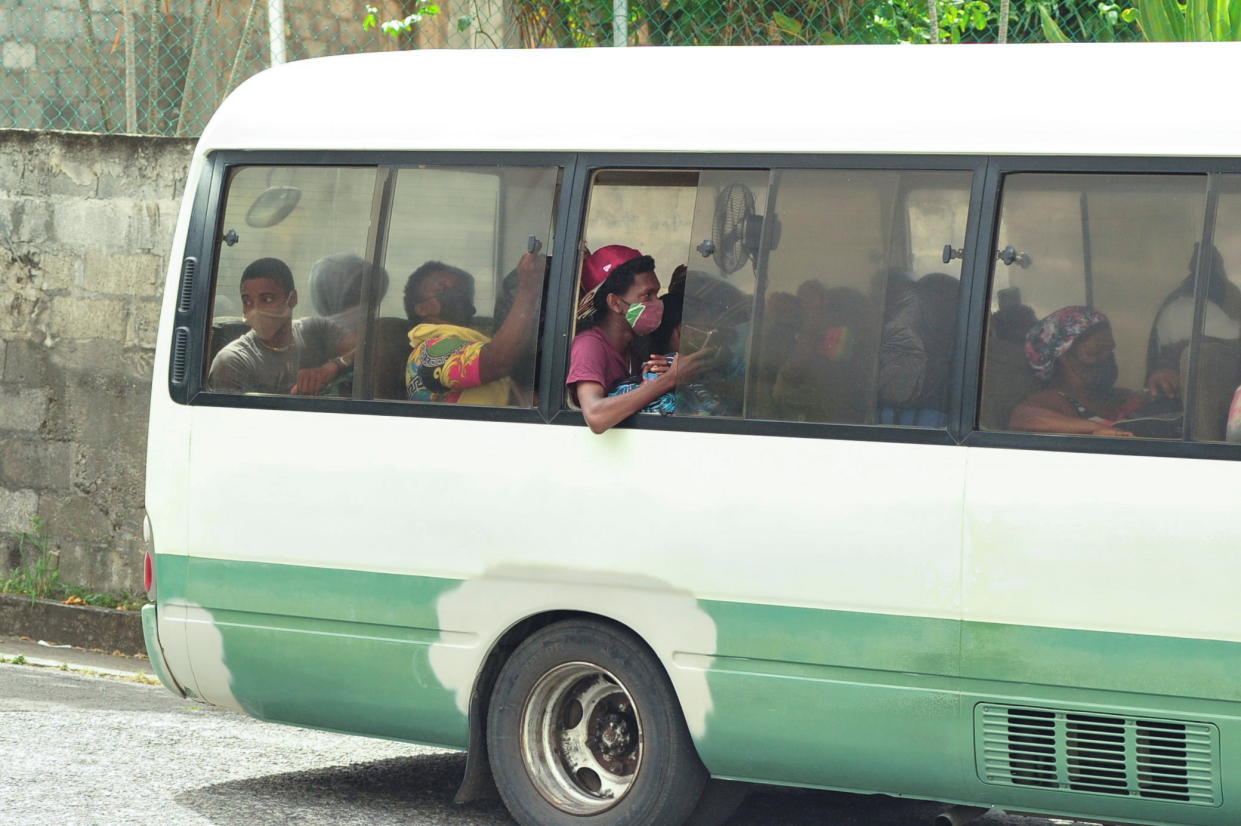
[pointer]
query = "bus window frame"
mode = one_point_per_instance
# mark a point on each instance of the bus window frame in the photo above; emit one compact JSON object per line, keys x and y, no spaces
{"x":980,"y":273}
{"x":578,"y":169}
{"x":204,"y":234}
{"x":976,"y":165}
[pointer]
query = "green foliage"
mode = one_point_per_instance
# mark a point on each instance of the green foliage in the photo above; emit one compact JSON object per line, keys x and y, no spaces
{"x":419,"y":11}
{"x":1107,"y":24}
{"x":736,"y":22}
{"x":1202,"y":20}
{"x":36,"y":574}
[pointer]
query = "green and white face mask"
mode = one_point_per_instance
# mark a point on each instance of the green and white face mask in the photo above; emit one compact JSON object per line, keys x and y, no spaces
{"x":644,"y":318}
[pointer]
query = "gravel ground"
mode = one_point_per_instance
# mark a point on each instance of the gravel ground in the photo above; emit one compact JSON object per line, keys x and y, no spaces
{"x":80,"y":750}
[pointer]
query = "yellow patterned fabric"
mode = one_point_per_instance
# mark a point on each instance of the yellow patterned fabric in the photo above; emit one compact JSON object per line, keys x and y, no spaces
{"x":445,"y":366}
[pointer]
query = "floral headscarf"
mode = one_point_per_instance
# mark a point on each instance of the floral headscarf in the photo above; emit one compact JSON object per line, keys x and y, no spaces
{"x":1052,"y":337}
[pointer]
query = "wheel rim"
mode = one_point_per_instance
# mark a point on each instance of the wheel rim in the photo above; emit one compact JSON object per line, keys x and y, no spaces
{"x":581,"y":738}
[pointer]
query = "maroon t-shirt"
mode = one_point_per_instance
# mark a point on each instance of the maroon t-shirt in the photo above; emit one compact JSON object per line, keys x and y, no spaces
{"x":593,"y":358}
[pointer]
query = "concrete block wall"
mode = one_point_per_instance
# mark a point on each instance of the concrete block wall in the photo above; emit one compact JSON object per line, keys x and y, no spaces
{"x":86,"y":222}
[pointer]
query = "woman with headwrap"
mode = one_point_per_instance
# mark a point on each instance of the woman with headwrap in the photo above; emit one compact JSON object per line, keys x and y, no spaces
{"x":1073,"y":352}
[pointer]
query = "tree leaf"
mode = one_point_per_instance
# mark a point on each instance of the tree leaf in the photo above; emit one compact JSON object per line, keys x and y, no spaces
{"x":1198,"y":20}
{"x":464,"y":22}
{"x":1051,"y":29}
{"x":1160,"y":20}
{"x":786,"y":23}
{"x":1228,"y":20}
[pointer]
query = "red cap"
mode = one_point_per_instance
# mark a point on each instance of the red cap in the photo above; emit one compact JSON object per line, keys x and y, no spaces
{"x":600,"y":264}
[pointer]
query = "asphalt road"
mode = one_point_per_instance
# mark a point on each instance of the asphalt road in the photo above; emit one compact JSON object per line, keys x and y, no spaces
{"x":80,"y":750}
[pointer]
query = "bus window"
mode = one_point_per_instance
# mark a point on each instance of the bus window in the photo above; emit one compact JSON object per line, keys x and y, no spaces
{"x":647,"y":209}
{"x":854,"y":321}
{"x":285,"y":316}
{"x":456,"y":237}
{"x":650,"y":212}
{"x":1217,"y":410}
{"x":1084,"y":264}
{"x":818,"y":293}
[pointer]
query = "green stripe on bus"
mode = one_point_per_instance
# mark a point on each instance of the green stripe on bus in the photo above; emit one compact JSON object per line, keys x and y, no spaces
{"x":871,"y":702}
{"x":332,"y":649}
{"x":835,"y":699}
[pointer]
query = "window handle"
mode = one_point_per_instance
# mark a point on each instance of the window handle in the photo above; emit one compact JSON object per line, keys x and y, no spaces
{"x":1010,"y":256}
{"x":951,"y":253}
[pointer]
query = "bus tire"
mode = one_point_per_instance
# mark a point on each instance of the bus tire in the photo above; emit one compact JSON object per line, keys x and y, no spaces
{"x":584,"y":726}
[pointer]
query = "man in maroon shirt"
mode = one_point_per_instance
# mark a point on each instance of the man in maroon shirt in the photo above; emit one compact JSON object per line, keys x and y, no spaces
{"x":621,"y":302}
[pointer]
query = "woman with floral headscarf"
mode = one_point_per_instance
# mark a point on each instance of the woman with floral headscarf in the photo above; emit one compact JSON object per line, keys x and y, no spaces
{"x":1073,"y":352}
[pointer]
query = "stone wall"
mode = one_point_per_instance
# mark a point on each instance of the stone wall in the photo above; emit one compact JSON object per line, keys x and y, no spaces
{"x":85,"y":227}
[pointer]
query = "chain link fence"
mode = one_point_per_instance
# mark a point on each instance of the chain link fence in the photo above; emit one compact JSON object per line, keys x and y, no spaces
{"x":160,"y":67}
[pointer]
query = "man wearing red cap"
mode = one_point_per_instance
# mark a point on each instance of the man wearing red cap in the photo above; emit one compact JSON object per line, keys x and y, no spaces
{"x":620,"y":302}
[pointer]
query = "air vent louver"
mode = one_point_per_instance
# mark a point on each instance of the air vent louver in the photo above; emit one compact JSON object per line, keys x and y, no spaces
{"x":188,"y":267}
{"x":1065,"y":750}
{"x":180,"y":355}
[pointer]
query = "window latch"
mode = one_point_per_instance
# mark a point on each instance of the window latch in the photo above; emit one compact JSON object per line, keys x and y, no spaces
{"x":1010,"y":256}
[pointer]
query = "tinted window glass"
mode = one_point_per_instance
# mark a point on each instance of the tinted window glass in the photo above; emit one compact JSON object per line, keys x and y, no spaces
{"x":1216,"y":415}
{"x":285,"y":315}
{"x":1080,"y":337}
{"x":821,"y":295}
{"x":826,"y":294}
{"x":460,"y":323}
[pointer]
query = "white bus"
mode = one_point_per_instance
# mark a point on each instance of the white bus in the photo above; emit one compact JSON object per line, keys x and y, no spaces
{"x":891,"y":539}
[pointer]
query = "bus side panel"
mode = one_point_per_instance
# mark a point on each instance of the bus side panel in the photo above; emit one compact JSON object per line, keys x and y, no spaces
{"x":325,"y":648}
{"x":1100,"y":585}
{"x":284,"y":625}
{"x":838,"y":699}
{"x":661,"y":531}
{"x":167,"y":466}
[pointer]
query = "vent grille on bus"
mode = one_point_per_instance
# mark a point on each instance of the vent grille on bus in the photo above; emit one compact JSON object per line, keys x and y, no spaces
{"x":187,"y":284}
{"x":1099,"y":754}
{"x":180,"y":354}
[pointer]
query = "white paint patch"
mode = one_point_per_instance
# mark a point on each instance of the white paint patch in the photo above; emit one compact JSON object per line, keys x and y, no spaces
{"x":213,"y":680}
{"x":669,"y":621}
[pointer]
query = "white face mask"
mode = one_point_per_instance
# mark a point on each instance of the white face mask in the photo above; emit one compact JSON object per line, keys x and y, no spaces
{"x":266,"y":323}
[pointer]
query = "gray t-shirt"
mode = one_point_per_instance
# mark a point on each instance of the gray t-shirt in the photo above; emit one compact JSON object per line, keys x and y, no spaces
{"x":247,"y":366}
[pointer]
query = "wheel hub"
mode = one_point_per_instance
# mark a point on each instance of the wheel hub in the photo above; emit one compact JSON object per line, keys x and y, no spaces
{"x":582,"y":738}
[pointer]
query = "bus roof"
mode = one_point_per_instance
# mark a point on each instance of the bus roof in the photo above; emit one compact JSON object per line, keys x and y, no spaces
{"x":1159,"y":99}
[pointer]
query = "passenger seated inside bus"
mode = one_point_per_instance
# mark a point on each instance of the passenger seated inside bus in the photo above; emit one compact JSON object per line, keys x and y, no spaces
{"x":619,"y":302}
{"x":279,"y":354}
{"x":827,"y":374}
{"x":452,"y":362}
{"x":336,"y":292}
{"x":1072,"y":351}
{"x":1174,"y":323}
{"x":915,"y":350}
{"x":693,"y":399}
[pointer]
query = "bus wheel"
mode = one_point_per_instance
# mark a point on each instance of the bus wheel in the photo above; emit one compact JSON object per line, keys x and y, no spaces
{"x":583,"y":723}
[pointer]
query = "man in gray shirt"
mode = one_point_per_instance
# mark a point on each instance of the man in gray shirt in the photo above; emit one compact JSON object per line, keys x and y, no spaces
{"x":278,"y":354}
